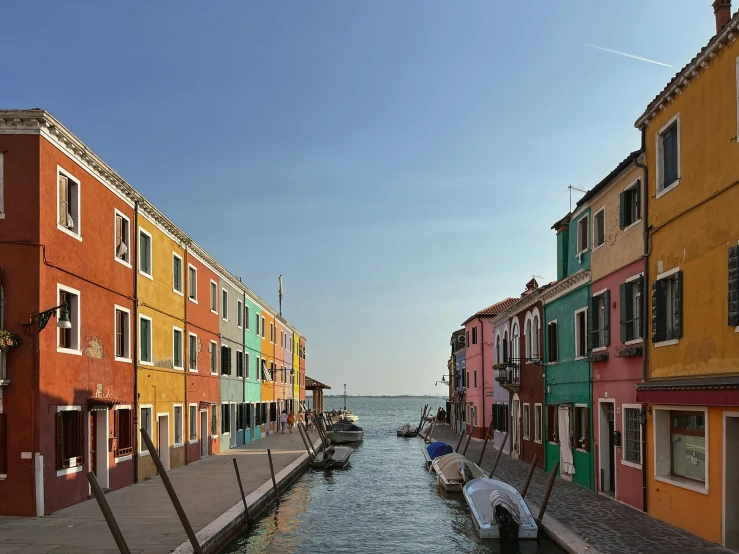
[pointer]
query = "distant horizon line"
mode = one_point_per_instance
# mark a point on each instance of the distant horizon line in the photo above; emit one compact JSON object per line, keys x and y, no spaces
{"x":382,"y":396}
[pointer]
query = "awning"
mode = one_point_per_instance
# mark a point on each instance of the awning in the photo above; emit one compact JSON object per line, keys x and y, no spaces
{"x":99,"y":404}
{"x":711,"y":391}
{"x":204,"y":404}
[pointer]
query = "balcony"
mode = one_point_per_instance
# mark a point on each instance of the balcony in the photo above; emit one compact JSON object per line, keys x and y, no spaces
{"x":509,"y":375}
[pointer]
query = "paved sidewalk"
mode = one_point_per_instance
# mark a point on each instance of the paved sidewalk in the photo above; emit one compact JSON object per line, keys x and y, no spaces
{"x":610,"y":526}
{"x":148,"y":521}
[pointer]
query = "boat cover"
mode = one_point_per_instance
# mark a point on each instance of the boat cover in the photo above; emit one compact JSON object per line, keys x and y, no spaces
{"x":499,"y":498}
{"x":344,"y":426}
{"x":436,"y":449}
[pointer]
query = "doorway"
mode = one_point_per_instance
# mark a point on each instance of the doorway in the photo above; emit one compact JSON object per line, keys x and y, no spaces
{"x":163,"y":439}
{"x":232,"y":422}
{"x":251,"y":419}
{"x":99,"y":446}
{"x":731,"y":481}
{"x":607,"y":428}
{"x":204,"y":433}
{"x":516,"y":425}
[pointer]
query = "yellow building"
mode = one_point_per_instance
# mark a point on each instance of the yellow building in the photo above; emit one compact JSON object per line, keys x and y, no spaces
{"x":269,"y":390}
{"x":692,"y":387}
{"x":296,"y":367}
{"x":160,"y":342}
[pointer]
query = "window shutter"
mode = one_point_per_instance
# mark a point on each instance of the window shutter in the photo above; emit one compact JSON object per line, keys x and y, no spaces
{"x":624,"y":315}
{"x":3,"y":443}
{"x":622,"y":214}
{"x":659,"y":310}
{"x":606,"y":318}
{"x":116,"y":424}
{"x":81,"y":423}
{"x":592,"y":323}
{"x":637,"y":199}
{"x":63,"y":200}
{"x":678,"y":305}
{"x":733,"y":307}
{"x":59,"y":441}
{"x":118,"y":231}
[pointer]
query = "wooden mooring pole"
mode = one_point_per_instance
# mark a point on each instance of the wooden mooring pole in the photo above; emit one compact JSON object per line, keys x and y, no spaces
{"x":500,"y":452}
{"x":108,"y":514}
{"x":306,"y":442}
{"x":485,"y":444}
{"x":467,"y":445}
{"x":423,"y":415}
{"x":272,"y":471}
{"x":247,"y":519}
{"x":460,"y":442}
{"x":549,"y":491}
{"x":530,"y":475}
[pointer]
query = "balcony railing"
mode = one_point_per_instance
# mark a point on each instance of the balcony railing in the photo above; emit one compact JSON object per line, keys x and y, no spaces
{"x":509,"y":374}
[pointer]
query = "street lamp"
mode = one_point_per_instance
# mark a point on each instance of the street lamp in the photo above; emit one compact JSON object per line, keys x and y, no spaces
{"x":63,"y":321}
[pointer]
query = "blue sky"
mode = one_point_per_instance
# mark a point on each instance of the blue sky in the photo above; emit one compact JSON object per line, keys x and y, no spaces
{"x":400,"y":163}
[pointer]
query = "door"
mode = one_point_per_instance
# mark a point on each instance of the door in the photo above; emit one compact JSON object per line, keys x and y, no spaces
{"x":251,"y":419}
{"x":731,"y":481}
{"x":607,"y":455}
{"x":611,"y":449}
{"x":232,"y":407}
{"x":163,"y":440}
{"x":204,"y":433}
{"x":93,"y":443}
{"x":516,"y":425}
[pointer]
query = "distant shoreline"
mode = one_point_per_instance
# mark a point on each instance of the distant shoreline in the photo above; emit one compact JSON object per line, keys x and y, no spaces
{"x":382,"y":396}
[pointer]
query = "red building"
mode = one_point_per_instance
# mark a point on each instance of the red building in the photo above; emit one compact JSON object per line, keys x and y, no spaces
{"x":66,"y":395}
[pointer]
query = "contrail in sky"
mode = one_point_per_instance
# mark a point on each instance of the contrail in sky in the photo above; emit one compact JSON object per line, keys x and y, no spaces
{"x":625,"y":54}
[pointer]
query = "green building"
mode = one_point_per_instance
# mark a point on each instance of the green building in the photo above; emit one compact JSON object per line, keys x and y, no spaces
{"x":568,"y":379}
{"x":252,"y":379}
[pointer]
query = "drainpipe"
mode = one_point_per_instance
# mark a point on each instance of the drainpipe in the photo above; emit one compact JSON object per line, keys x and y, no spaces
{"x":644,"y":314}
{"x":135,"y":336}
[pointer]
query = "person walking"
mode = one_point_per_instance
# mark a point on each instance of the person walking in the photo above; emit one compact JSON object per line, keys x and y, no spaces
{"x":283,"y":420}
{"x":290,"y":421}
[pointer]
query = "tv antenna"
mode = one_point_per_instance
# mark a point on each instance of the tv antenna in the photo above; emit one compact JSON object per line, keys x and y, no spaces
{"x":571,"y":188}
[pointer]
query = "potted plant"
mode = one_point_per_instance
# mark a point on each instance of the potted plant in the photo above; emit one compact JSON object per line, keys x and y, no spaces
{"x":8,"y":340}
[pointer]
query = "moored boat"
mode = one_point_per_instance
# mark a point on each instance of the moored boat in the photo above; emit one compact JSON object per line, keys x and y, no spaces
{"x":344,"y":431}
{"x":332,"y":457}
{"x":454,"y":470}
{"x":498,"y":510}
{"x":434,"y":450}
{"x":407,"y":431}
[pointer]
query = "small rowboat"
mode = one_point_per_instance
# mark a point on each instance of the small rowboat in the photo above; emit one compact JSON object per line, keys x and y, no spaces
{"x":434,"y":450}
{"x":454,"y":470}
{"x":498,"y":511}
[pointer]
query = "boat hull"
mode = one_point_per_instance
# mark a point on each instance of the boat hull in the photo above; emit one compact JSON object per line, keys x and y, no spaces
{"x":477,"y":494}
{"x":339,"y":458}
{"x":447,"y":475}
{"x":341,"y":437}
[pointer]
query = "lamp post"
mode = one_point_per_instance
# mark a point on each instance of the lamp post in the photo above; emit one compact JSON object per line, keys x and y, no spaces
{"x":63,"y":321}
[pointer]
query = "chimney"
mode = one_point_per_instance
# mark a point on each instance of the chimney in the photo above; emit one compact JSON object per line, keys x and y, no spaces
{"x":722,"y":10}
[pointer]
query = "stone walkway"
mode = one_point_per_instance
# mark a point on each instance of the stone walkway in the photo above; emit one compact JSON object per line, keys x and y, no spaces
{"x":148,"y":521}
{"x":609,"y":526}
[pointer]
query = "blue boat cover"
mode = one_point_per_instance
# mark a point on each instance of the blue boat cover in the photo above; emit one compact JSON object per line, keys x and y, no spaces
{"x":436,"y":449}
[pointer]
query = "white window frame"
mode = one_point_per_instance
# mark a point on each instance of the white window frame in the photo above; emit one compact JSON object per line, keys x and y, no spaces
{"x":127,"y":457}
{"x":263,"y":334}
{"x":239,"y":314}
{"x":660,"y":158}
{"x":624,"y":461}
{"x":639,"y":219}
{"x":526,"y":428}
{"x":598,"y":295}
{"x":127,"y":358}
{"x":126,"y":241}
{"x":271,"y":332}
{"x":61,"y":171}
{"x":662,"y":437}
{"x":636,"y":277}
{"x":224,"y":304}
{"x":246,"y":316}
{"x":151,"y":254}
{"x":210,"y":299}
{"x":75,"y":315}
{"x":593,"y":231}
{"x":75,"y":469}
{"x":151,"y":340}
{"x":189,"y":423}
{"x":189,"y":353}
{"x":665,"y":275}
{"x":577,"y":334}
{"x":214,"y":348}
{"x":182,"y":426}
{"x":137,"y":426}
{"x":247,"y":373}
{"x":540,"y":422}
{"x":180,"y":292}
{"x":258,"y":363}
{"x":190,"y":286}
{"x":581,"y":251}
{"x":175,"y":330}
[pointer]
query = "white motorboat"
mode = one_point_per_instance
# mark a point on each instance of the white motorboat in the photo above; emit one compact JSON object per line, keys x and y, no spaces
{"x":350,"y":416}
{"x":454,"y":470}
{"x":333,"y":456}
{"x":434,"y":450}
{"x":344,"y":431}
{"x":498,"y":511}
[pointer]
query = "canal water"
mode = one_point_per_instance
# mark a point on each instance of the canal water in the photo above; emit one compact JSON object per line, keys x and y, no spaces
{"x":383,"y":502}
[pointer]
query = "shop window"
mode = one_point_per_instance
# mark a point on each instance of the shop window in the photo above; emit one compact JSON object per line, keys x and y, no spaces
{"x":123,"y":432}
{"x":70,"y":438}
{"x":688,"y":445}
{"x":582,"y":428}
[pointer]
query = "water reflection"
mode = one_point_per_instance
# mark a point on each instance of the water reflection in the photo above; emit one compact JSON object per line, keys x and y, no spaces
{"x":383,"y":501}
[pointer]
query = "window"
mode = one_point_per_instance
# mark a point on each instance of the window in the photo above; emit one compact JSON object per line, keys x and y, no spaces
{"x":224,"y":304}
{"x":192,"y":283}
{"x":122,"y":334}
{"x":632,"y":435}
{"x":552,"y":342}
{"x":213,"y":297}
{"x":599,"y":228}
{"x":688,"y":445}
{"x":177,"y":348}
{"x":225,"y":419}
{"x":145,"y":267}
{"x":178,"y":426}
{"x":68,"y":340}
{"x":271,"y":333}
{"x":537,"y":422}
{"x":630,"y":202}
{"x":667,"y":307}
{"x":246,"y":365}
{"x":246,"y":317}
{"x":553,"y":424}
{"x":239,"y":314}
{"x":505,"y":346}
{"x":535,"y":337}
{"x":498,"y":351}
{"x":193,"y":422}
{"x":193,"y":351}
{"x":527,"y":338}
{"x":256,"y":324}
{"x":500,"y":417}
{"x":515,"y":346}
{"x":263,"y":328}
{"x":582,"y":235}
{"x":68,"y":214}
{"x":3,"y":439}
{"x":214,"y":421}
{"x":600,"y":333}
{"x":145,"y":356}
{"x":474,"y":335}
{"x":631,"y":309}
{"x":239,"y":363}
{"x":733,"y":282}
{"x":145,"y":424}
{"x":467,"y":337}
{"x":213,"y":357}
{"x":259,"y":369}
{"x":526,"y":421}
{"x":475,"y":376}
{"x":70,"y":438}
{"x":123,"y":431}
{"x":582,"y":428}
{"x":581,"y":333}
{"x":176,"y":273}
{"x":668,"y":152}
{"x":225,"y":360}
{"x":122,"y":239}
{"x":467,"y":381}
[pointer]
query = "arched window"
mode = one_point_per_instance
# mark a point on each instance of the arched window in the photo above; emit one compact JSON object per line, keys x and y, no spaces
{"x":535,"y":338}
{"x":527,"y":334}
{"x":498,"y":353}
{"x":515,"y":353}
{"x":505,"y":346}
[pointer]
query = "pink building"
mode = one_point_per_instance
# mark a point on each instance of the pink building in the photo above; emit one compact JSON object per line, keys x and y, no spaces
{"x":478,"y":377}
